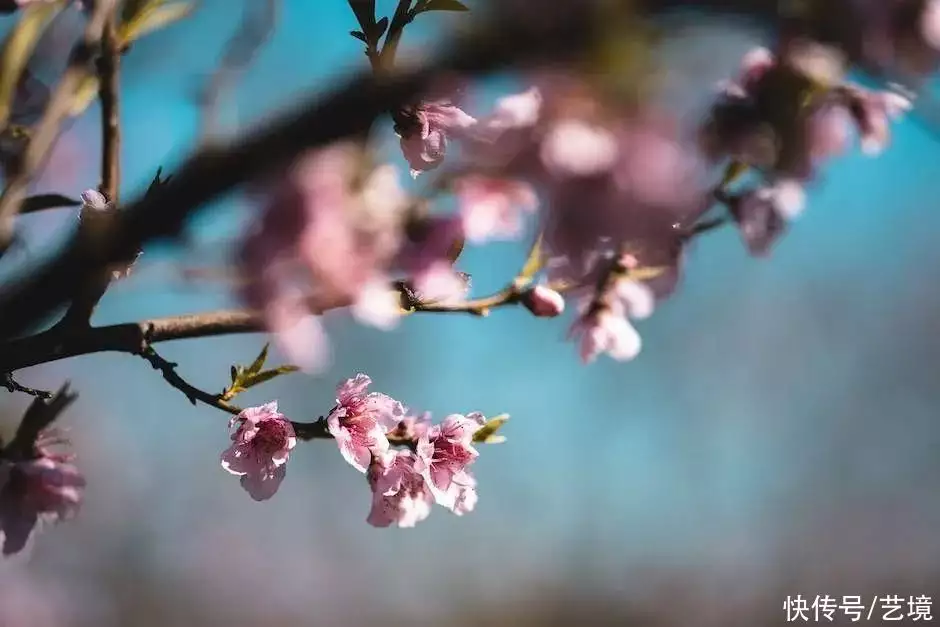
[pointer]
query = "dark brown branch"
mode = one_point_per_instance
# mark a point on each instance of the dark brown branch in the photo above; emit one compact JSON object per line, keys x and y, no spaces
{"x":108,"y":67}
{"x":131,"y":338}
{"x":194,"y":394}
{"x":109,"y":93}
{"x":7,"y":380}
{"x":42,"y":140}
{"x":402,"y":17}
{"x":502,"y":41}
{"x":40,"y":414}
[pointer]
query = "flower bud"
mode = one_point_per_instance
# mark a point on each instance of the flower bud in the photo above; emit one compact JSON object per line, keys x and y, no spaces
{"x":543,"y":301}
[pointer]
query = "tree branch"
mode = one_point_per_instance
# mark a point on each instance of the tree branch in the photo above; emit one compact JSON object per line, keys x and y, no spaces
{"x":7,"y":380}
{"x":400,"y":19}
{"x":108,"y":67}
{"x":215,"y":170}
{"x":109,"y":93}
{"x":255,"y":29}
{"x":194,"y":394}
{"x":43,"y":139}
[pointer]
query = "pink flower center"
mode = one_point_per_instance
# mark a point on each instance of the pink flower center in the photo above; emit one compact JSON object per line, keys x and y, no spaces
{"x":271,"y":437}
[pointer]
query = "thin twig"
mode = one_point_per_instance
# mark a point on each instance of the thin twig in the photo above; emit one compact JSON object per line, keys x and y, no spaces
{"x":7,"y":380}
{"x":40,"y":414}
{"x":109,"y":93}
{"x":255,"y":29}
{"x":42,"y":140}
{"x":194,"y":394}
{"x":402,"y":17}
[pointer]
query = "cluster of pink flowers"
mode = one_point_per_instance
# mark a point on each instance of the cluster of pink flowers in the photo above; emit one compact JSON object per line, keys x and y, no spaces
{"x":785,"y":115}
{"x":333,"y":232}
{"x":43,"y":488}
{"x":405,"y":482}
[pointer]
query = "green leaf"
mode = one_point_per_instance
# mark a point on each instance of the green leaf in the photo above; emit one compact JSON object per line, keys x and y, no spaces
{"x":85,"y":94}
{"x":647,"y":273}
{"x":152,"y":16}
{"x":260,"y":377}
{"x":258,"y":363}
{"x":359,"y":35}
{"x":533,"y":262}
{"x":18,"y":48}
{"x":487,"y":433}
{"x":443,"y":5}
{"x":244,"y":378}
{"x":132,"y":8}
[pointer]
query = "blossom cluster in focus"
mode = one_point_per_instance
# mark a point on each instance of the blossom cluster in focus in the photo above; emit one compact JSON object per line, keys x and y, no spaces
{"x":409,"y":463}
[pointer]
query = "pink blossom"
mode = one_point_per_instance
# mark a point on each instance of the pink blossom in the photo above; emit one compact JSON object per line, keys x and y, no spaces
{"x":360,"y":421}
{"x":754,"y":65}
{"x":260,"y":449}
{"x":493,"y":208}
{"x":400,"y":494}
{"x":873,"y":112}
{"x":444,"y":455}
{"x":425,"y":130}
{"x":497,"y":140}
{"x":378,"y":304}
{"x":762,"y":214}
{"x":930,"y":24}
{"x":543,"y":301}
{"x":520,"y":110}
{"x":606,"y":332}
{"x":606,"y":328}
{"x":828,"y":130}
{"x":575,"y":148}
{"x":427,"y":258}
{"x":94,"y":200}
{"x":326,"y":235}
{"x":42,"y":490}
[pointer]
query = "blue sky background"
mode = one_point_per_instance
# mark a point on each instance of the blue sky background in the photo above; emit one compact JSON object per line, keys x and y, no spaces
{"x":781,"y":419}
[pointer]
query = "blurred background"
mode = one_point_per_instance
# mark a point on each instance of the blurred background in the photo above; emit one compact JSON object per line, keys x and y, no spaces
{"x":777,"y":436}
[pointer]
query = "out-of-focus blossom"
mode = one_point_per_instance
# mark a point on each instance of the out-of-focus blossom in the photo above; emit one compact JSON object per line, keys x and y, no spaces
{"x":378,"y":305}
{"x":825,"y":65}
{"x":260,"y":449}
{"x":605,"y":176}
{"x":797,"y":113}
{"x":829,"y":130}
{"x":427,"y":258}
{"x":754,"y":64}
{"x":543,"y":301}
{"x":424,"y":131}
{"x":400,"y":494}
{"x":327,"y":233}
{"x":873,"y":112}
{"x":444,"y":455}
{"x":762,"y":214}
{"x":359,"y":422}
{"x":575,"y":148}
{"x":930,"y":24}
{"x":604,"y":326}
{"x":493,"y":208}
{"x":44,"y":489}
{"x":94,"y":200}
